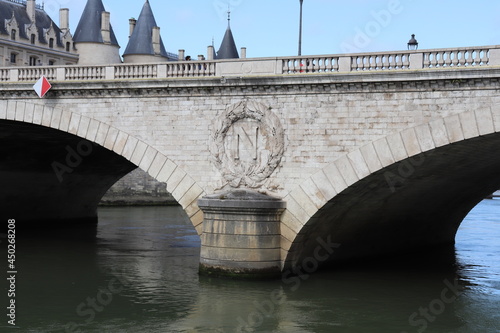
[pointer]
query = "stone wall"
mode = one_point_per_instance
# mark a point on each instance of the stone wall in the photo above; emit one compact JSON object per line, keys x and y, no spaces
{"x":138,"y":188}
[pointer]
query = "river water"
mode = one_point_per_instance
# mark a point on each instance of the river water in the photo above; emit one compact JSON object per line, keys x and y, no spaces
{"x":137,"y":271}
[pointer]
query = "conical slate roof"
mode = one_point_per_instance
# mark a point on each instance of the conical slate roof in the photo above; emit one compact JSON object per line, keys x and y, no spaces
{"x":228,"y":48}
{"x":89,"y":27}
{"x":141,"y":41}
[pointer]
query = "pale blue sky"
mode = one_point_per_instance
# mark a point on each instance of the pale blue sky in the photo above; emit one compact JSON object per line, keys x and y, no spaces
{"x":270,"y":27}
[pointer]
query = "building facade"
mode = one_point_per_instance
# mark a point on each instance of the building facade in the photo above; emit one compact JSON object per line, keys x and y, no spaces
{"x":29,"y":37}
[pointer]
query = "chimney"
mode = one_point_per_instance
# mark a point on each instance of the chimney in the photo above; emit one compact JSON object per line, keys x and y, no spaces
{"x":31,"y":9}
{"x":106,"y":27}
{"x":181,"y":55}
{"x":132,"y":22}
{"x":210,"y":52}
{"x":243,"y":52}
{"x":156,"y":40}
{"x":64,"y":20}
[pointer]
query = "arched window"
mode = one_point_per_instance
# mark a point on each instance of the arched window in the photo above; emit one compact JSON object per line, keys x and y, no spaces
{"x":33,"y":38}
{"x":13,"y":34}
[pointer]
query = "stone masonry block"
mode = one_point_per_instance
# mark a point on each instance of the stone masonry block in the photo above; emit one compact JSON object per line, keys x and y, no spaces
{"x":485,"y":121}
{"x":110,"y":140}
{"x":56,"y":118}
{"x":21,"y":107}
{"x":371,"y":158}
{"x":11,"y":110}
{"x":47,"y":117}
{"x":65,"y":121}
{"x":454,"y":128}
{"x":424,"y":137}
{"x":191,"y":196}
{"x":166,"y":171}
{"x":411,"y":142}
{"x":102,"y":133}
{"x":92,"y":130}
{"x":84,"y":127}
{"x":3,"y":109}
{"x":346,"y":170}
{"x":139,"y":152}
{"x":129,"y":148}
{"x":28,"y":113}
{"x":303,"y":199}
{"x":384,"y":152}
{"x":121,"y":141}
{"x":438,"y":132}
{"x":359,"y":164}
{"x":397,"y":146}
{"x":183,"y":187}
{"x":157,"y":164}
{"x":197,"y":221}
{"x":296,"y":210}
{"x":313,"y":193}
{"x":38,"y":114}
{"x":287,"y":233}
{"x":469,"y":124}
{"x":333,"y":174}
{"x":175,"y":180}
{"x":291,"y":222}
{"x":74,"y":123}
{"x":148,"y":158}
{"x":324,"y":185}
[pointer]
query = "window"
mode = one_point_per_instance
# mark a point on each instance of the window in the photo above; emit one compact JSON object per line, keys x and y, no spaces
{"x":51,"y":43}
{"x":33,"y":60}
{"x":33,"y":38}
{"x":13,"y":58}
{"x":68,"y":46}
{"x":51,"y":62}
{"x":13,"y":34}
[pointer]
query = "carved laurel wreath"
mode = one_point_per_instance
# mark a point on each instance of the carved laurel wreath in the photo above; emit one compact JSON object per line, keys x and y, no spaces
{"x":238,"y":174}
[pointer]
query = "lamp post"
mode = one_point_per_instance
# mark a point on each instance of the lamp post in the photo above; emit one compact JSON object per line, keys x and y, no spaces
{"x":300,"y":28}
{"x":412,"y":44}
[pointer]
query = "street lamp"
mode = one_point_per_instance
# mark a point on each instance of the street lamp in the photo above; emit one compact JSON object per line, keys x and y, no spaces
{"x":300,"y":28}
{"x":412,"y":44}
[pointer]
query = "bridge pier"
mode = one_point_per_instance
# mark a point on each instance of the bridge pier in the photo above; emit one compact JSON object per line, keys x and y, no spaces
{"x":241,"y":235}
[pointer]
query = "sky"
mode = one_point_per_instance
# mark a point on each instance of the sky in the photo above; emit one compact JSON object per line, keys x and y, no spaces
{"x":270,"y":28}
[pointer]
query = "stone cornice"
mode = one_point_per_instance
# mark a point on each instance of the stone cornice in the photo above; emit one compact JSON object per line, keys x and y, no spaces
{"x":373,"y":82}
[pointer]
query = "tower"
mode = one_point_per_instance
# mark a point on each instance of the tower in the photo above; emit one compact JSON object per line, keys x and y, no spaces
{"x":145,"y":44}
{"x":94,"y":37}
{"x":228,"y":48}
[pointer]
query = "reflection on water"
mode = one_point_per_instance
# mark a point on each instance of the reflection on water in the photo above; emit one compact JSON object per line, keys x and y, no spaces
{"x":138,"y":271}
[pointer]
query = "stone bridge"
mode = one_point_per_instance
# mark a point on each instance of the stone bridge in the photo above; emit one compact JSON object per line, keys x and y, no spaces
{"x":369,"y":153}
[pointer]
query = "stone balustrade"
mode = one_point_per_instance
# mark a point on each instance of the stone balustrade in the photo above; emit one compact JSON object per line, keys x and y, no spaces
{"x":324,"y":64}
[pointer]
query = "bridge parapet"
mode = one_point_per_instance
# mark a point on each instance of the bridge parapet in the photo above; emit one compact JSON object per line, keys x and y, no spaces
{"x":467,"y":57}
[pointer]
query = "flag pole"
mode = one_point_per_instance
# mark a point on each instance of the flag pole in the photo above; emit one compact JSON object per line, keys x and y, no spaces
{"x":300,"y":28}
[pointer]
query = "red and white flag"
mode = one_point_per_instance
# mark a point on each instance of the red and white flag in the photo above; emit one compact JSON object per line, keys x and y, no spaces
{"x":42,"y":86}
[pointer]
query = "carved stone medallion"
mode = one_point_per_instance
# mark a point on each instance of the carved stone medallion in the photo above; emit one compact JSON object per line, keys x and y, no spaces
{"x":247,"y":144}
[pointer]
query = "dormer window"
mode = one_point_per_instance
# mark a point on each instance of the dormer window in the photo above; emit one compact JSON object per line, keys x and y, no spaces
{"x":68,"y":46}
{"x":13,"y":34}
{"x":33,"y":38}
{"x":51,"y":43}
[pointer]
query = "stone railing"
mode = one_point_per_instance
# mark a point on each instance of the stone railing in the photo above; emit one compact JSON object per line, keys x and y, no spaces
{"x":328,"y":64}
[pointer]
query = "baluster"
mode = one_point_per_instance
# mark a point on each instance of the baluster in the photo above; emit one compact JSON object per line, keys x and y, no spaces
{"x":485,"y":58}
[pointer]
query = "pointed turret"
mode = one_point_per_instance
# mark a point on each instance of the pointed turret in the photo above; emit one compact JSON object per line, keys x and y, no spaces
{"x":94,"y":37}
{"x":145,"y":44}
{"x":228,"y":48}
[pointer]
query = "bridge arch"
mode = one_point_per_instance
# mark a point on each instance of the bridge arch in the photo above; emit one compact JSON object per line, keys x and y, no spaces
{"x":180,"y":184}
{"x":408,"y":190}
